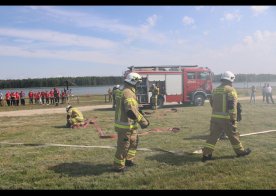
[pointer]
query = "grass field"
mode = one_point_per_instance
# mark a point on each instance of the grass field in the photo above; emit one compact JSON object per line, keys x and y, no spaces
{"x":32,"y":166}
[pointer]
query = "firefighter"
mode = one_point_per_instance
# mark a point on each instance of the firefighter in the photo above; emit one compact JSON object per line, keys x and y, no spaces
{"x":74,"y":117}
{"x":127,"y":118}
{"x":155,"y":92}
{"x":115,"y":91}
{"x":224,"y":117}
{"x":109,"y":93}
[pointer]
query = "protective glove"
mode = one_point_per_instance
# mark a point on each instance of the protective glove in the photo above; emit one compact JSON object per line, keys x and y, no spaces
{"x":239,"y":111}
{"x":145,"y":125}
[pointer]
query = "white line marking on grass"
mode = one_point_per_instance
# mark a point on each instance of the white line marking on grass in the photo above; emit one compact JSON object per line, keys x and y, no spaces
{"x":114,"y":147}
{"x":256,"y":133}
{"x":67,"y":145}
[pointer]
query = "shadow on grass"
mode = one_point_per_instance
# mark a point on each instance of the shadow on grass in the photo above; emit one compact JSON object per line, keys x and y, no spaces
{"x":178,"y":105}
{"x":178,"y":160}
{"x":60,"y":127}
{"x":105,"y":109}
{"x":226,"y":157}
{"x":174,"y":159}
{"x":81,"y":169}
{"x":201,"y":137}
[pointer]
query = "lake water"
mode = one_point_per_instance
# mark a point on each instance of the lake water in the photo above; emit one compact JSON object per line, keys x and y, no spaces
{"x":100,"y":90}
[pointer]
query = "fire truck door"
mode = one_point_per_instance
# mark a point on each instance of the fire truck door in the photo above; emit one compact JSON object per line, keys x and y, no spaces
{"x":191,"y":82}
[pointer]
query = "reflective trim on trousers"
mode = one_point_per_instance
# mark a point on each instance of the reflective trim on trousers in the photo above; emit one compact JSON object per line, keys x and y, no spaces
{"x":221,"y":116}
{"x":131,"y":152}
{"x":119,"y":162}
{"x":211,"y":146}
{"x":129,"y":127}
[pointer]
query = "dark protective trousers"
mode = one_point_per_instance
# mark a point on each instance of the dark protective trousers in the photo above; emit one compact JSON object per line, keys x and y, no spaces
{"x":216,"y":127}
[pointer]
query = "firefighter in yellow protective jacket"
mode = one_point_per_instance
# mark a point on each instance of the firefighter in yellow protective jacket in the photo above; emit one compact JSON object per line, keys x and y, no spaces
{"x":74,"y":117}
{"x":224,"y":101}
{"x":155,"y":92}
{"x":127,"y":118}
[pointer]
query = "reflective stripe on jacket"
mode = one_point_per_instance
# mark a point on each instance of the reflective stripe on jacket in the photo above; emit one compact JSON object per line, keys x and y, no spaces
{"x":74,"y":112}
{"x":126,"y":100}
{"x":224,"y":102}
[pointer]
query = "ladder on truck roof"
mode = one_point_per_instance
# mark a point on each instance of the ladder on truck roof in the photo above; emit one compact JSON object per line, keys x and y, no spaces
{"x":160,"y":67}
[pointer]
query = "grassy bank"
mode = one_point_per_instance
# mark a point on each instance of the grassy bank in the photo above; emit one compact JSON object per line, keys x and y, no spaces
{"x":82,"y":100}
{"x":32,"y":166}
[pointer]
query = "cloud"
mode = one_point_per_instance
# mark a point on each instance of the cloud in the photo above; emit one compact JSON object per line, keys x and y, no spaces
{"x":255,"y":54}
{"x":261,"y":36}
{"x":76,"y":55}
{"x":231,"y":17}
{"x":188,"y":20}
{"x":96,"y":22}
{"x":56,"y":38}
{"x":206,"y":33}
{"x":152,"y":20}
{"x":259,"y":9}
{"x":199,"y":7}
{"x":248,"y":40}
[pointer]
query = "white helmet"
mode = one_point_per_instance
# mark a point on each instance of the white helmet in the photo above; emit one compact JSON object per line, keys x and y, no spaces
{"x":228,"y":75}
{"x":117,"y":86}
{"x":133,"y":78}
{"x":68,"y":107}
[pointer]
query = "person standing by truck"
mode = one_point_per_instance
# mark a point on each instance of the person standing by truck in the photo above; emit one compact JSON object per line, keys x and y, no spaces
{"x":115,"y":91}
{"x":155,"y":92}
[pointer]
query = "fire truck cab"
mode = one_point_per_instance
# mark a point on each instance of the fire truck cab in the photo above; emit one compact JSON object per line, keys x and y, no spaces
{"x":177,"y":83}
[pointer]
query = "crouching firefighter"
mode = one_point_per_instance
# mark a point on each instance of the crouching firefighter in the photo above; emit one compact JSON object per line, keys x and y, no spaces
{"x":224,"y":101}
{"x":127,"y":118}
{"x":74,"y":117}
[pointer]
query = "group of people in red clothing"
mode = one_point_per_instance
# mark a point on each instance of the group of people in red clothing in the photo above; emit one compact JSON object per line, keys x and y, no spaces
{"x":53,"y":96}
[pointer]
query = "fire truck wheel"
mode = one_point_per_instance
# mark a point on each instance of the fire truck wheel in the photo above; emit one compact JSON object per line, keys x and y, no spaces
{"x":199,"y":100}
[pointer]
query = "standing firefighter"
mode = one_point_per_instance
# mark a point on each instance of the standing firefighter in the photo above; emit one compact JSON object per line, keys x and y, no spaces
{"x":155,"y":92}
{"x":115,"y":91}
{"x":74,"y":117}
{"x":224,"y":117}
{"x":127,"y":118}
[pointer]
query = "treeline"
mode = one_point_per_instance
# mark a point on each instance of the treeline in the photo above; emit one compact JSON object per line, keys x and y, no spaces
{"x":62,"y":81}
{"x":110,"y":80}
{"x":250,"y":78}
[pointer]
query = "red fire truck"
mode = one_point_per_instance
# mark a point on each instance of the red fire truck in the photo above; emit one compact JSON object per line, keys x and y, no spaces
{"x":177,"y":83}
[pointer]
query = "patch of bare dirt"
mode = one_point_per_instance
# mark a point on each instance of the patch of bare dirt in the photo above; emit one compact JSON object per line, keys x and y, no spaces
{"x":48,"y":111}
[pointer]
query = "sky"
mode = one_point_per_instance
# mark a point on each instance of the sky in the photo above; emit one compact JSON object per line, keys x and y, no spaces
{"x":62,"y":41}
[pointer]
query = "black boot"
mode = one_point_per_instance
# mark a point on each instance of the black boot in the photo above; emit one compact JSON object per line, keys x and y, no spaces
{"x":130,"y":163}
{"x":244,"y":153}
{"x":206,"y":158}
{"x":120,"y":170}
